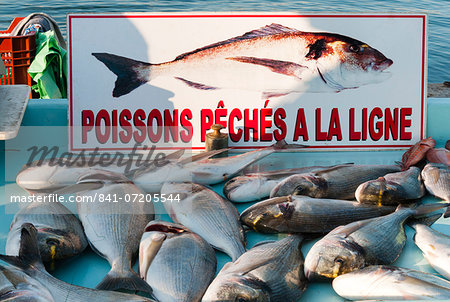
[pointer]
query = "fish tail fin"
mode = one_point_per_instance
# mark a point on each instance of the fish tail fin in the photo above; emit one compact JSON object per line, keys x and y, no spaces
{"x":130,"y":73}
{"x":29,"y":256}
{"x":130,"y":281}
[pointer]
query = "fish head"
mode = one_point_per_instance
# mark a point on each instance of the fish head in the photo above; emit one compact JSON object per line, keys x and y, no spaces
{"x":344,"y":62}
{"x":56,"y":244}
{"x":15,"y":285}
{"x":241,"y":187}
{"x":269,"y":216}
{"x":300,"y":184}
{"x":331,"y":257}
{"x":156,"y":232}
{"x":379,"y":191}
{"x":36,"y":177}
{"x":238,"y":288}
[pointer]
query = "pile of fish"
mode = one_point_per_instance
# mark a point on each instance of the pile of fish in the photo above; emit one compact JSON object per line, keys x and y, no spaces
{"x":359,"y":213}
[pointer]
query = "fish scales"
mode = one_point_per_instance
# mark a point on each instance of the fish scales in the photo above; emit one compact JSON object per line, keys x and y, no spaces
{"x":381,"y":282}
{"x":339,"y":182}
{"x":114,"y":229}
{"x":206,"y":213}
{"x":267,"y":272}
{"x":435,"y":247}
{"x":436,"y":178}
{"x":58,"y":229}
{"x":382,"y":234}
{"x":347,"y":185}
{"x":367,"y":242}
{"x":29,"y":261}
{"x":186,"y":260}
{"x":256,"y":186}
{"x":303,"y":214}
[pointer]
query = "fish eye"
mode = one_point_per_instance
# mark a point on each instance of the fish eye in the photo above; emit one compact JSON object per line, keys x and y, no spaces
{"x":300,"y":190}
{"x":52,"y":241}
{"x":339,"y":261}
{"x":241,"y":299}
{"x":354,"y":48}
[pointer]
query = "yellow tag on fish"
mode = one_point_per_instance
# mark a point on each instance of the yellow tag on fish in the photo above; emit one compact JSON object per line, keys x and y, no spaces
{"x":52,"y":256}
{"x":380,"y":195}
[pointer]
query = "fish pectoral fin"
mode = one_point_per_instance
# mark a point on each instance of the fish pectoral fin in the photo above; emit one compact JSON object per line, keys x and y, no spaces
{"x":278,"y":66}
{"x":196,"y":85}
{"x":273,"y":94}
{"x":147,"y":252}
{"x":148,"y":167}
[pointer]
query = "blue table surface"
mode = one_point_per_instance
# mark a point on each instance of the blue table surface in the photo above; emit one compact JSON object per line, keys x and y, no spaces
{"x":89,"y":269}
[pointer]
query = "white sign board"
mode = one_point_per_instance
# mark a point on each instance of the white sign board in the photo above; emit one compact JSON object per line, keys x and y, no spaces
{"x":339,"y":81}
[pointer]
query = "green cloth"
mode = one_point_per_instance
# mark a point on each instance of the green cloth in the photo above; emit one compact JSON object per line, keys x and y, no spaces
{"x":49,"y":67}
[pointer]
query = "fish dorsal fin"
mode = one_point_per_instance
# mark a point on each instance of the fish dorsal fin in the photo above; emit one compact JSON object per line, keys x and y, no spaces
{"x":201,"y":156}
{"x":268,"y":30}
{"x":333,"y":168}
{"x":264,"y":242}
{"x":149,"y":166}
{"x":29,"y":255}
{"x":93,"y":180}
{"x":175,"y":155}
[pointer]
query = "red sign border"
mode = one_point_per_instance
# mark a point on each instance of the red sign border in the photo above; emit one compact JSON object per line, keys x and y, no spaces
{"x":70,"y":17}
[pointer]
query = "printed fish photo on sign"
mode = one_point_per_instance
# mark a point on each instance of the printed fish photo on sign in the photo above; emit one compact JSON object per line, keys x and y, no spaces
{"x":292,"y":61}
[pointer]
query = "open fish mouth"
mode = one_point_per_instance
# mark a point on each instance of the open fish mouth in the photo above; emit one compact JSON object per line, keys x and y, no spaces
{"x":383,"y":65}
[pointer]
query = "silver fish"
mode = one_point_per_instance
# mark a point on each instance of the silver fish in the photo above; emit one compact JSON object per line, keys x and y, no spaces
{"x":436,"y":178}
{"x":339,"y":182}
{"x":381,"y":282}
{"x":60,"y":233}
{"x":275,"y":60}
{"x":367,"y":242}
{"x":203,"y":169}
{"x":178,"y":264}
{"x":267,"y":272}
{"x":256,"y":186}
{"x":17,"y":286}
{"x":393,"y":188}
{"x":29,"y":262}
{"x":114,"y":228}
{"x":49,"y":175}
{"x":206,"y":213}
{"x":303,"y":214}
{"x":435,"y":247}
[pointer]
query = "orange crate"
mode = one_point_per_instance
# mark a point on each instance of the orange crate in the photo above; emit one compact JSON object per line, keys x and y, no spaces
{"x":17,"y":53}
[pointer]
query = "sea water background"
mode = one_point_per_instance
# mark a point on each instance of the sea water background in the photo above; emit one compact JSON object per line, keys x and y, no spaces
{"x":438,"y":12}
